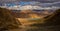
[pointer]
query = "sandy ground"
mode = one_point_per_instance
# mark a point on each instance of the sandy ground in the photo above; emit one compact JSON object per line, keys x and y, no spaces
{"x":46,"y":28}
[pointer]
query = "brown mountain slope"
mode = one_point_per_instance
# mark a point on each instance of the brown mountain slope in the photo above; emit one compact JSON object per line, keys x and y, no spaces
{"x":7,"y":21}
{"x":51,"y":20}
{"x":54,"y":19}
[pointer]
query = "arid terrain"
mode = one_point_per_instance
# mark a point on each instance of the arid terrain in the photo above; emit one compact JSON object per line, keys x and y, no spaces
{"x":29,"y":20}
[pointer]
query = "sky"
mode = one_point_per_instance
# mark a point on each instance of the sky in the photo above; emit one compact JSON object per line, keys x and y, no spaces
{"x":27,"y":1}
{"x":43,"y":1}
{"x":40,"y":3}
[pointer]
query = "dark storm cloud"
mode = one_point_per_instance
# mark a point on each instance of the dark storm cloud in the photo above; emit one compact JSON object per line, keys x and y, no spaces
{"x":29,"y":0}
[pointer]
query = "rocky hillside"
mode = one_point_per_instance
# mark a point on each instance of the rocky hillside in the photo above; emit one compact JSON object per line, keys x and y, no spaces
{"x":51,"y":20}
{"x":7,"y":21}
{"x":54,"y":19}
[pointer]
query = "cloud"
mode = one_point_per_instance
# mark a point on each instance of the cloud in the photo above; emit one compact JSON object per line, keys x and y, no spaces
{"x":30,"y":7}
{"x":45,"y":1}
{"x":33,"y":5}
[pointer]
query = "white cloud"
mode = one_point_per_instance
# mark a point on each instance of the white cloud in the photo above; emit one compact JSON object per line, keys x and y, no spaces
{"x":33,"y":5}
{"x":30,"y":7}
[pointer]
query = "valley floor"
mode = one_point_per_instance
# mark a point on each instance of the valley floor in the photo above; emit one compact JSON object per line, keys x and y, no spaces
{"x":35,"y":28}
